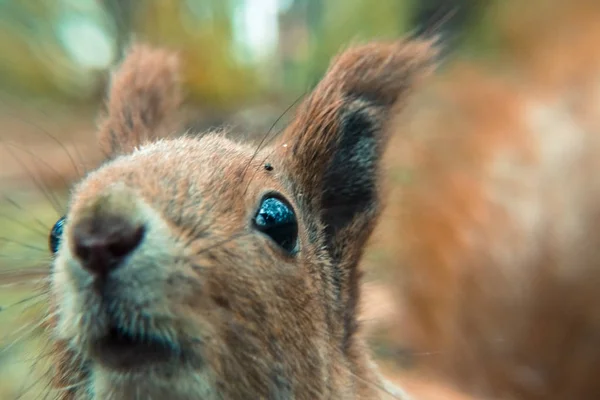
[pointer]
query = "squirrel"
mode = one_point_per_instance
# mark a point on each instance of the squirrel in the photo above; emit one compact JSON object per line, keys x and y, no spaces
{"x":197,"y":267}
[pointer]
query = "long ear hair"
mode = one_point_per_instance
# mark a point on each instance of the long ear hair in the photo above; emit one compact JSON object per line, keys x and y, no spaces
{"x":332,"y":151}
{"x":145,"y":92}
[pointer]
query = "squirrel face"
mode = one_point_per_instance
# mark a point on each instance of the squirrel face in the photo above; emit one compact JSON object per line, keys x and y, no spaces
{"x":197,"y":267}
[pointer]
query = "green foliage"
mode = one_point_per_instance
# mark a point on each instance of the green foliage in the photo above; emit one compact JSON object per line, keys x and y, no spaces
{"x":348,"y":21}
{"x":35,"y":58}
{"x":212,"y":74}
{"x":22,"y":25}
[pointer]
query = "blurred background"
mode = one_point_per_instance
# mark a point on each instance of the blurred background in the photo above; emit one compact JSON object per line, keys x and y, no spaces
{"x":245,"y":62}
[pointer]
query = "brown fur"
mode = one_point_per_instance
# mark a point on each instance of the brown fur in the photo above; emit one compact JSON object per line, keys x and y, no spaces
{"x":494,"y":237}
{"x":144,"y":96}
{"x":248,"y":319}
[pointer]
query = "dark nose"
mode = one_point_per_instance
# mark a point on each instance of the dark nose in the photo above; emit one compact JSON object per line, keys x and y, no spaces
{"x":102,"y":242}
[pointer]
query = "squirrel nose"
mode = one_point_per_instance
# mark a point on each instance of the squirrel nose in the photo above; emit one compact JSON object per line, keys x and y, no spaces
{"x":102,"y":242}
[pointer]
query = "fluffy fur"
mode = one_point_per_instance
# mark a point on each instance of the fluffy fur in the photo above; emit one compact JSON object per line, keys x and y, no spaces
{"x":238,"y":316}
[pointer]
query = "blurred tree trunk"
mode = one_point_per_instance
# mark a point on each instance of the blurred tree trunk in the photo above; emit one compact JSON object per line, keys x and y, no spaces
{"x":121,"y":12}
{"x":446,"y":17}
{"x":314,"y":13}
{"x":451,"y":20}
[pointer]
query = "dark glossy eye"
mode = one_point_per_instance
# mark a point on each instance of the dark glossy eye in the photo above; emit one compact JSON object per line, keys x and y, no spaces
{"x":56,"y":235}
{"x":276,"y":219}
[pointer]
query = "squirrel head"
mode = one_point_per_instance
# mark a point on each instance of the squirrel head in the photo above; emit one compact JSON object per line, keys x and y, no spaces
{"x":199,"y":267}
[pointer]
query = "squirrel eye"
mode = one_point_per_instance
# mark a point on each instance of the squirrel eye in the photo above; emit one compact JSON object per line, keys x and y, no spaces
{"x":276,"y":219}
{"x":56,"y":235}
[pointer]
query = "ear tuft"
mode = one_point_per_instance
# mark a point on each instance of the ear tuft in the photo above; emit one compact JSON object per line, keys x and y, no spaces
{"x":382,"y":72}
{"x":332,"y":151}
{"x":144,"y":93}
{"x":339,"y":133}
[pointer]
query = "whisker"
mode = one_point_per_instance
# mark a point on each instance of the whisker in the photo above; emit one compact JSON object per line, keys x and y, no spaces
{"x":71,"y":387}
{"x":31,"y":305}
{"x":47,"y":387}
{"x":80,"y":157}
{"x":36,"y":358}
{"x":433,"y":24}
{"x":24,"y":332}
{"x":264,"y":138}
{"x":40,"y":160}
{"x":31,"y":282}
{"x":380,"y":386}
{"x":51,"y":199}
{"x":19,"y":207}
{"x":25,"y":245}
{"x":258,"y":169}
{"x":24,"y":390}
{"x":22,"y":301}
{"x":25,"y":270}
{"x":427,"y":353}
{"x":23,"y":225}
{"x":28,"y":265}
{"x":33,"y":325}
{"x":54,"y":139}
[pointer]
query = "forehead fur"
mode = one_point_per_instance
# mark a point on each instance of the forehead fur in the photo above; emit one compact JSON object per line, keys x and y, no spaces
{"x":180,"y":175}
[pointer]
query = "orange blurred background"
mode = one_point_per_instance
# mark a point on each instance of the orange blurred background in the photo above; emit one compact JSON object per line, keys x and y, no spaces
{"x":245,"y":62}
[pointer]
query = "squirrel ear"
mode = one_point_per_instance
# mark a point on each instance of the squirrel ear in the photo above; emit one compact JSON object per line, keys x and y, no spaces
{"x":144,"y":93}
{"x":333,"y":147}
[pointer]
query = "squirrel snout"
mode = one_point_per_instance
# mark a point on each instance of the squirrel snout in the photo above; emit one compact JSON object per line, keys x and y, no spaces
{"x":102,"y":242}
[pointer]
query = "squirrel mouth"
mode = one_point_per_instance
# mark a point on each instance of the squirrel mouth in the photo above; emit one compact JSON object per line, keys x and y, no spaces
{"x":122,"y":350}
